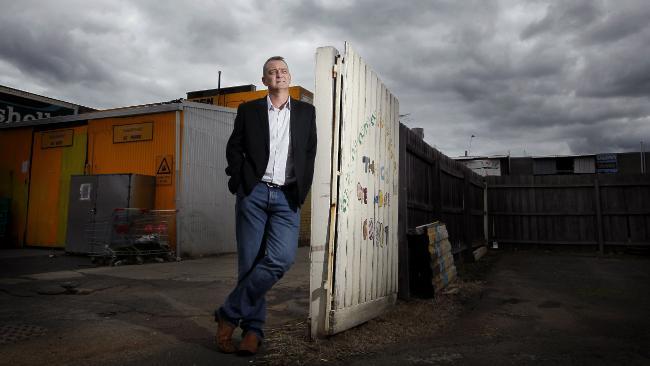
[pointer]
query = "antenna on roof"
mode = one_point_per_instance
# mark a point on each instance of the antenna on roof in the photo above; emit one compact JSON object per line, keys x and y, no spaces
{"x":469,"y":150}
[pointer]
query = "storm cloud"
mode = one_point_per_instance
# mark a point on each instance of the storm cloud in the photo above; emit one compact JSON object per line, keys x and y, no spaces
{"x":525,"y":77}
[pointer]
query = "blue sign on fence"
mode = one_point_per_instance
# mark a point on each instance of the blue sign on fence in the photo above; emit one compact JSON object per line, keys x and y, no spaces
{"x":606,"y":163}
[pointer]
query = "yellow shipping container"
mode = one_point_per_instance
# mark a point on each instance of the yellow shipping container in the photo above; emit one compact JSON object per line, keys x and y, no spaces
{"x":153,"y":141}
{"x":107,"y":155}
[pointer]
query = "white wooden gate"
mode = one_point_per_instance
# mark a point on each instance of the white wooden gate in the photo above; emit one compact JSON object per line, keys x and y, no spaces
{"x":354,"y":195}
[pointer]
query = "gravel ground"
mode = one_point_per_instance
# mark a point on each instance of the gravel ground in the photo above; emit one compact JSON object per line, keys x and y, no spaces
{"x":409,"y":321}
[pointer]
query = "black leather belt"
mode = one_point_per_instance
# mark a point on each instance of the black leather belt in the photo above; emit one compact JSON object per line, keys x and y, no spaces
{"x":273,"y":185}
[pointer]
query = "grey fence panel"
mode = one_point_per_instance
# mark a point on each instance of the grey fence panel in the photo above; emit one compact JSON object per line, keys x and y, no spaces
{"x":439,"y":188}
{"x":570,"y":209}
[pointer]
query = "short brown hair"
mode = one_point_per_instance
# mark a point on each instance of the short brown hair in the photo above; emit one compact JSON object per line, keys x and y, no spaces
{"x":274,"y":58}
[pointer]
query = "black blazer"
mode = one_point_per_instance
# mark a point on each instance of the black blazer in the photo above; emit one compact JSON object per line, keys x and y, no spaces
{"x":247,"y":150}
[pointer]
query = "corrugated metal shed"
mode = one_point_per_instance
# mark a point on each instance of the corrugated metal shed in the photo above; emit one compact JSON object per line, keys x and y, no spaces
{"x":484,"y":167}
{"x":584,"y":165}
{"x":544,"y":166}
{"x":628,"y":163}
{"x":206,"y":207}
{"x":521,"y":166}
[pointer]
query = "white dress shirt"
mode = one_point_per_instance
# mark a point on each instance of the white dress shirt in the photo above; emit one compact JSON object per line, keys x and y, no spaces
{"x":279,"y":170}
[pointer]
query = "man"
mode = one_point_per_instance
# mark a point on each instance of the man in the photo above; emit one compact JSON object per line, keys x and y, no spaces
{"x":271,"y":165}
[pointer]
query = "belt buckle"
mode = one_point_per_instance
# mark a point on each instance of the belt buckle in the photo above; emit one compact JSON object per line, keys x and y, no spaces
{"x":272,"y":185}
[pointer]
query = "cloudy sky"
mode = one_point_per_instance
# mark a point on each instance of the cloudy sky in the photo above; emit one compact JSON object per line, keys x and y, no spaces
{"x":525,"y":77}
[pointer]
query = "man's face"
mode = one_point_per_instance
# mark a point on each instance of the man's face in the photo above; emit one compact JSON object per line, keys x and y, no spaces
{"x":276,"y":75}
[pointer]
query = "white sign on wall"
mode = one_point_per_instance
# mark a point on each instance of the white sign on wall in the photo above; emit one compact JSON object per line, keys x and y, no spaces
{"x":484,"y":167}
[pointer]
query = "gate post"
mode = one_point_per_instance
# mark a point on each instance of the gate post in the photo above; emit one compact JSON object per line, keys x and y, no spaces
{"x":468,"y":232}
{"x":485,"y":211}
{"x":403,"y":287}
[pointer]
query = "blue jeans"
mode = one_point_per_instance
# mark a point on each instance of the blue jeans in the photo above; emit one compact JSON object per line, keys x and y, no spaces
{"x":267,"y":226}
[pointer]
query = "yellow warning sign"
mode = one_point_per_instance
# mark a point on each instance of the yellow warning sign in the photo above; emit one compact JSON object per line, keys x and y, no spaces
{"x":163,"y":167}
{"x":164,"y":170}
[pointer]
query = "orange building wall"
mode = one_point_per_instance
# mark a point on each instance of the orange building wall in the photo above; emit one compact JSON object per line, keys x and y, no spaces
{"x":233,"y":100}
{"x":139,"y":157}
{"x":15,"y":150}
{"x":49,"y":189}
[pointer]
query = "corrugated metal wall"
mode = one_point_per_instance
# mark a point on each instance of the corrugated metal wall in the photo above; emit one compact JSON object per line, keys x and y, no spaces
{"x":630,"y":163}
{"x":50,"y":187}
{"x":521,"y":166}
{"x":484,"y":167}
{"x":139,"y":157}
{"x":544,"y":166}
{"x":15,"y":153}
{"x":584,"y":165}
{"x":206,"y":207}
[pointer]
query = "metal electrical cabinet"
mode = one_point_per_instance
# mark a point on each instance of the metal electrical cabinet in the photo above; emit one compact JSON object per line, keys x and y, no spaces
{"x":94,"y":197}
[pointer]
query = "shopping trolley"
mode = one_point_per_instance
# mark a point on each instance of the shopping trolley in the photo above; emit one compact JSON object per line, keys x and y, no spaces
{"x":131,"y":235}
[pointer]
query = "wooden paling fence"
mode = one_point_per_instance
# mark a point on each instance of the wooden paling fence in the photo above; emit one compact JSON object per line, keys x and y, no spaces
{"x":591,"y":209}
{"x":602,"y":210}
{"x":437,"y":188}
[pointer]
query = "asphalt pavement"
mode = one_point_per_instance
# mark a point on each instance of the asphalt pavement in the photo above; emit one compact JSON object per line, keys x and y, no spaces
{"x":57,"y":309}
{"x":535,"y":308}
{"x":544,"y":308}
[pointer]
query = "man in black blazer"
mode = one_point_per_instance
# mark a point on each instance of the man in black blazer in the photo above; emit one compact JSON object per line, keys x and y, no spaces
{"x":271,"y":165}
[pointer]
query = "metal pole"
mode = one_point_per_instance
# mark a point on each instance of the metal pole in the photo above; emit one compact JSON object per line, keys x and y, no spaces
{"x":469,"y":150}
{"x":642,"y":158}
{"x":485,"y":211}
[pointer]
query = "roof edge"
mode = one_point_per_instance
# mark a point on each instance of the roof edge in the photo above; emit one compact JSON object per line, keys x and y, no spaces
{"x":109,"y":113}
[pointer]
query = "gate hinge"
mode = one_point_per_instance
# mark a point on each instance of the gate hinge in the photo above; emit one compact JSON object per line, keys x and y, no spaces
{"x":335,"y":71}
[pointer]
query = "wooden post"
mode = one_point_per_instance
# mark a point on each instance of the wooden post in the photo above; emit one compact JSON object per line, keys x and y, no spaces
{"x":323,"y":205}
{"x":403,"y":286}
{"x":599,"y":216}
{"x":486,"y":236}
{"x":468,"y":232}
{"x":437,"y":189}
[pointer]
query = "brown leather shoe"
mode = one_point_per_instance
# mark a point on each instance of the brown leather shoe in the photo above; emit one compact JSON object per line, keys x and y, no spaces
{"x":224,"y":336}
{"x":249,"y":345}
